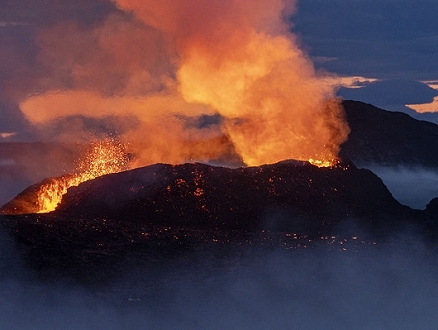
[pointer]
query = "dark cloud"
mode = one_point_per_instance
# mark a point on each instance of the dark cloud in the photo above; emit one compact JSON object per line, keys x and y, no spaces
{"x":391,"y":93}
{"x":68,"y":30}
{"x":11,"y":119}
{"x":394,"y":95}
{"x":372,"y":38}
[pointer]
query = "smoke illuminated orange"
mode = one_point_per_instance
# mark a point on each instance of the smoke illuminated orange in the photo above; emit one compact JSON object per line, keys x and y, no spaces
{"x":234,"y":58}
{"x":238,"y":57}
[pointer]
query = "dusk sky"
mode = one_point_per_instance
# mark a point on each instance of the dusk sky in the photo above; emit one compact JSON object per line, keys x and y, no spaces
{"x":44,"y":45}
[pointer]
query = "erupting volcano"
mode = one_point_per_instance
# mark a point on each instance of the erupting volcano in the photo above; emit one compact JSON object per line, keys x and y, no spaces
{"x":195,"y":81}
{"x":190,"y":83}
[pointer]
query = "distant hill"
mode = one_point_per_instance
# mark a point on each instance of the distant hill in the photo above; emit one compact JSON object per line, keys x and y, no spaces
{"x":388,"y":138}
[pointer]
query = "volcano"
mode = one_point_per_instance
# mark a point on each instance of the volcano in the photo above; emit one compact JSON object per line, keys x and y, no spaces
{"x":163,"y":211}
{"x":303,"y":196}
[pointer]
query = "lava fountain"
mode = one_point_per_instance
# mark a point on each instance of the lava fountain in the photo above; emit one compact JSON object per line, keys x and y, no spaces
{"x":100,"y":158}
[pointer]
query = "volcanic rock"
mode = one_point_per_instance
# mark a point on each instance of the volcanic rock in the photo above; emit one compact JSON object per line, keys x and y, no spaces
{"x":162,"y":212}
{"x":388,"y":138}
{"x":288,"y":195}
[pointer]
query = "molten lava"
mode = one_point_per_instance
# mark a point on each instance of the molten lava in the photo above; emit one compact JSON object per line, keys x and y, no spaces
{"x":102,"y":157}
{"x":323,"y":163}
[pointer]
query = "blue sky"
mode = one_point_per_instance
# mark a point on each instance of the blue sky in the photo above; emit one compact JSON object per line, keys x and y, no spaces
{"x":393,"y":41}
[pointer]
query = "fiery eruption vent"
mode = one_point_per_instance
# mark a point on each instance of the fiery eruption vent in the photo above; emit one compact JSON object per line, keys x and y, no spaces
{"x":102,"y":157}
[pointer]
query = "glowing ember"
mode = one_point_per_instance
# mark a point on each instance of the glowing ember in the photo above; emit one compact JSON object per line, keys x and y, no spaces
{"x":322,"y":163}
{"x":103,"y":157}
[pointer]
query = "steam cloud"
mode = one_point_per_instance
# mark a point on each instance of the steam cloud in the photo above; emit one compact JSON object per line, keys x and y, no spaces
{"x":414,"y":187}
{"x":167,"y":62}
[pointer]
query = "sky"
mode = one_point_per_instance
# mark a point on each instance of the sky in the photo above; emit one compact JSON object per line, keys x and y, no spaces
{"x":381,"y":39}
{"x":395,"y":42}
{"x":50,"y":45}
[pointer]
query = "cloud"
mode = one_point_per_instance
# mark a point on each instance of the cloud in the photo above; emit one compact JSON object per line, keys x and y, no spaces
{"x":390,"y":93}
{"x":418,"y":99}
{"x":323,"y":59}
{"x":425,"y":107}
{"x":390,"y":286}
{"x":414,"y":187}
{"x":118,"y":57}
{"x":12,"y":119}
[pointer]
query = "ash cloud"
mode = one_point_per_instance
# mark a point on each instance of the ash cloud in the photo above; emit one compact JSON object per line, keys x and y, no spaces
{"x":21,"y":73}
{"x":166,"y":61}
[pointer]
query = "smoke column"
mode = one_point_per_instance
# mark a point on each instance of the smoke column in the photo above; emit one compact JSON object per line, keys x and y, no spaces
{"x":182,"y":59}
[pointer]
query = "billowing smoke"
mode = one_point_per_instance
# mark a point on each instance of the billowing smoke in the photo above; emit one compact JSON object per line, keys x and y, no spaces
{"x":170,"y":62}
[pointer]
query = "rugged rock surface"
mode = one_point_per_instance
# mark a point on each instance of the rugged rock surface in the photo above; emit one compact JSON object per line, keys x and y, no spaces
{"x":388,"y":138}
{"x":288,"y":195}
{"x":160,"y":213}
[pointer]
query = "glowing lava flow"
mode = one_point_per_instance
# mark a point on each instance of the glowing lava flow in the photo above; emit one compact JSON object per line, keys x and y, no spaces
{"x":103,"y":157}
{"x":323,"y":163}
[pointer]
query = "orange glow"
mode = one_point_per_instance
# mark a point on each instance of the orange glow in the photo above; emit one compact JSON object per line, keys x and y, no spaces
{"x":239,"y":58}
{"x":234,"y":58}
{"x":425,"y":107}
{"x":103,"y":157}
{"x":322,"y":163}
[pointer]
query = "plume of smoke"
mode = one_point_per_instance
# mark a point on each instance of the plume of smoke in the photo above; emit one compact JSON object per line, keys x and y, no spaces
{"x":239,"y":58}
{"x":177,"y":60}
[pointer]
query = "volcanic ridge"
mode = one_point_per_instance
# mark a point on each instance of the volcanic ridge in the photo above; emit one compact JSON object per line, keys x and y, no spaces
{"x":167,"y":209}
{"x":162,"y":211}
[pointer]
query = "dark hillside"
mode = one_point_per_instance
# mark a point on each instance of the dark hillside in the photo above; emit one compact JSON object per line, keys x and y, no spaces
{"x":388,"y":138}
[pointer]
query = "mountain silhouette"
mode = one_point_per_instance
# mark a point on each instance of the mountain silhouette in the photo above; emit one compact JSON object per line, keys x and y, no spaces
{"x":388,"y":138}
